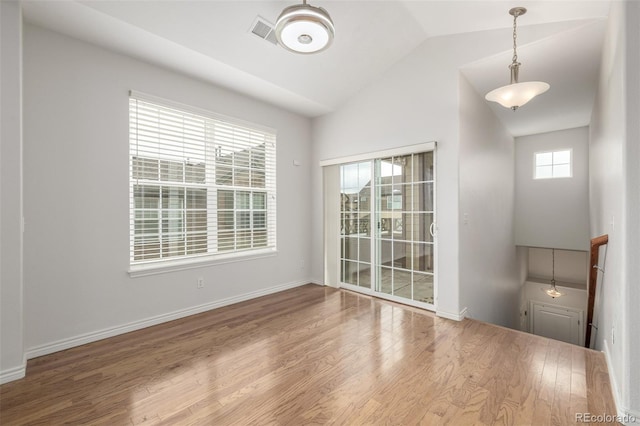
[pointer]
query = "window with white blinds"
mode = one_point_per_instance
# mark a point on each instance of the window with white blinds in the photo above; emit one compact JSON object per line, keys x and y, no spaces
{"x":200,"y":185}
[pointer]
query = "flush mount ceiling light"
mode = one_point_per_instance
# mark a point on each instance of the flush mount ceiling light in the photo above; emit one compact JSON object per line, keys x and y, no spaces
{"x":303,"y":28}
{"x":516,"y":94}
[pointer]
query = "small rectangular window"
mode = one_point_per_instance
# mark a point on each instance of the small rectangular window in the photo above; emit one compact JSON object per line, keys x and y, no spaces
{"x":554,"y":164}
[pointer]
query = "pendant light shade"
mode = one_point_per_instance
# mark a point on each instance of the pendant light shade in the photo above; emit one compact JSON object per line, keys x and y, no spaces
{"x":304,"y":28}
{"x":516,"y":94}
{"x":553,"y":291}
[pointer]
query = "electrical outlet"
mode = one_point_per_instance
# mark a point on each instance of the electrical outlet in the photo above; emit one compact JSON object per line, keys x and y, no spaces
{"x":200,"y":283}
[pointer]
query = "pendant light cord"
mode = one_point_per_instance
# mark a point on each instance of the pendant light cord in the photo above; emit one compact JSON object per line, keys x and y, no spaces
{"x":515,"y":53}
{"x":553,"y":268}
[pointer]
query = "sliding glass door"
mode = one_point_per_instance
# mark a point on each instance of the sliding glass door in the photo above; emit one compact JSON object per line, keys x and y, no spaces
{"x":387,"y":227}
{"x":355,"y":224}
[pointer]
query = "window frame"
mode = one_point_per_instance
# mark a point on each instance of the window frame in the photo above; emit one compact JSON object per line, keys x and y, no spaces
{"x":552,"y":164}
{"x":210,"y":150}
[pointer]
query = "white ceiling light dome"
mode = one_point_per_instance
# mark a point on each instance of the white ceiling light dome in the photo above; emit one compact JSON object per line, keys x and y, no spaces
{"x":517,"y":94}
{"x":303,"y":28}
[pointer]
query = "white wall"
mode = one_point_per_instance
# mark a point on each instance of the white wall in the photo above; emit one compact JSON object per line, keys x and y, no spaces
{"x":77,"y":203}
{"x":489,"y":275}
{"x":632,"y":222}
{"x":570,"y":266}
{"x":553,"y":212}
{"x":415,"y":101}
{"x":613,"y":188}
{"x":12,"y":363}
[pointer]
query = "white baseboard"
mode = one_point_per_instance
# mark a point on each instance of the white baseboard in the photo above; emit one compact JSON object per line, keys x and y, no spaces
{"x":12,"y":374}
{"x":612,"y":376}
{"x":317,"y":281}
{"x":451,"y":315}
{"x":623,"y":412}
{"x":85,"y":338}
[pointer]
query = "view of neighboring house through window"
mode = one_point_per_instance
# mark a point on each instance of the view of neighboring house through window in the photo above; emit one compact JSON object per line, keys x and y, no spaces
{"x":199,"y":185}
{"x":556,"y":164}
{"x":387,"y":219}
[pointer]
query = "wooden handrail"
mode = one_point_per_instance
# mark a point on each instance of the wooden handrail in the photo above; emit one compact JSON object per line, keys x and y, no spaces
{"x":593,"y":279}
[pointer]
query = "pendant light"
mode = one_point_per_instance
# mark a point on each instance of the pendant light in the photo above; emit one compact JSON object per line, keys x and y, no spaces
{"x":303,"y":28}
{"x":516,"y":94}
{"x":553,"y":290}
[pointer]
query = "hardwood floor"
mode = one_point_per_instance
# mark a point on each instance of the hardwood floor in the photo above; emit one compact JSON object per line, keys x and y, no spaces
{"x":313,"y":355}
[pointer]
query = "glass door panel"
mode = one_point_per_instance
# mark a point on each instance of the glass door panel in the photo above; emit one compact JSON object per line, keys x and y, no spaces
{"x":355,"y":225}
{"x":387,"y":216}
{"x":404,"y":188}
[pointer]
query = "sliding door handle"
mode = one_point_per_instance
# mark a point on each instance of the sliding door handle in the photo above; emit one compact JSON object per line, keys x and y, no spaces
{"x":432,"y":229}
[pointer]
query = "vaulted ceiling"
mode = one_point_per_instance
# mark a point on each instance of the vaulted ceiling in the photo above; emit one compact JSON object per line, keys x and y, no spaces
{"x":211,"y":40}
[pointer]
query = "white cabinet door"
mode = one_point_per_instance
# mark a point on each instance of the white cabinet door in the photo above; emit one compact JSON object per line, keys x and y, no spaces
{"x":557,"y":322}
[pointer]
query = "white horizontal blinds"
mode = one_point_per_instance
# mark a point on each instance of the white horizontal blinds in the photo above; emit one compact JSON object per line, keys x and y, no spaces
{"x":169,"y":189}
{"x":199,"y":185}
{"x":245,"y":178}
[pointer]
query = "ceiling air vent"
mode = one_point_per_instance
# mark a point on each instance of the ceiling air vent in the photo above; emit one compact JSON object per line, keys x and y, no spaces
{"x":264,"y":29}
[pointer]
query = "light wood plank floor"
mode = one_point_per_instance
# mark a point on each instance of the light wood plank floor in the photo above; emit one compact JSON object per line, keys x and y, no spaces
{"x":313,"y":355}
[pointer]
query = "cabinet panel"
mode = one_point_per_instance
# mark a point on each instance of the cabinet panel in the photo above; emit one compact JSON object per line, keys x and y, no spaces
{"x":557,"y":322}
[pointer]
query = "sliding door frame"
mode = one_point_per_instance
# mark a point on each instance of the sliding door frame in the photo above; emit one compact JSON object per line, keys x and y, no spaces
{"x":335,"y":276}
